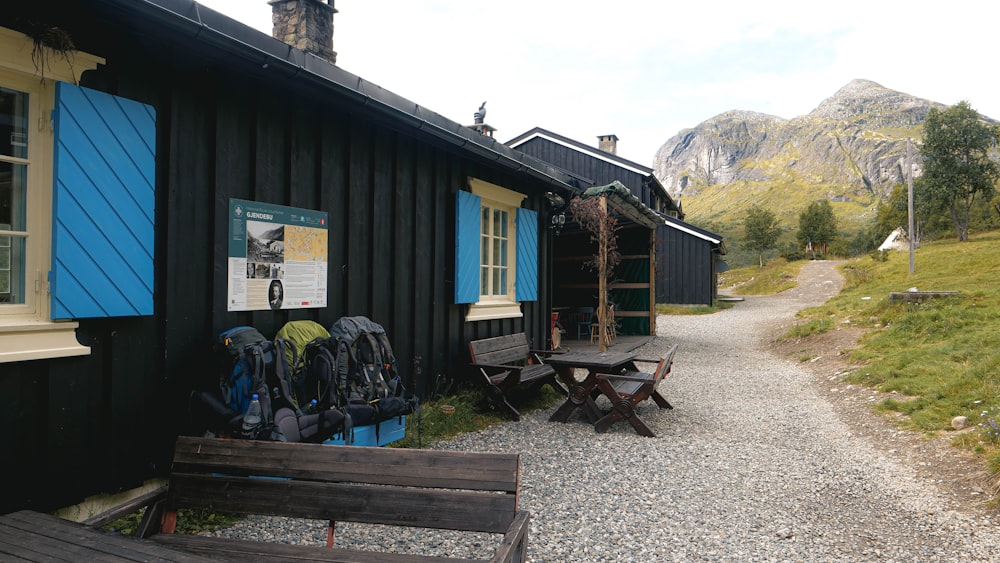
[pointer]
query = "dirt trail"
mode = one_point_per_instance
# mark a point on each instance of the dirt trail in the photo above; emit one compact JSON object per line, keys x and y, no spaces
{"x":957,"y":472}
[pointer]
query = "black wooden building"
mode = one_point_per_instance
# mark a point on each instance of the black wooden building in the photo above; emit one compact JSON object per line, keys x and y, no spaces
{"x":229,"y":113}
{"x":688,"y":258}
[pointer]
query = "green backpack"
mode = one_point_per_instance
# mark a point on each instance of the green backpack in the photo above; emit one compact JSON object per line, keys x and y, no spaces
{"x":296,"y":335}
{"x":298,"y":418}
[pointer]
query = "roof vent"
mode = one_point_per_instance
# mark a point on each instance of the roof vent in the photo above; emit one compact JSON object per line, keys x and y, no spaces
{"x":479,"y":121}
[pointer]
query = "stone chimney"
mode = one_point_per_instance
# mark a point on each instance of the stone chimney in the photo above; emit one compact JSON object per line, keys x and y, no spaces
{"x":305,"y":25}
{"x":608,"y":143}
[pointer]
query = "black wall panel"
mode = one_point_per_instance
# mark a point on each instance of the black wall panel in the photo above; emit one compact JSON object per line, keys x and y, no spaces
{"x":105,"y":422}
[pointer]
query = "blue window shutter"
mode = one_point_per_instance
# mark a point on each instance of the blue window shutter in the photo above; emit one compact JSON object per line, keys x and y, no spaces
{"x":103,"y":205}
{"x":467,"y":207}
{"x":526,"y":283}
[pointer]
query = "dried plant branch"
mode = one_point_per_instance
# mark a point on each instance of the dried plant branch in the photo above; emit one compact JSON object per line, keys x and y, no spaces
{"x":48,"y":41}
{"x":588,"y":214}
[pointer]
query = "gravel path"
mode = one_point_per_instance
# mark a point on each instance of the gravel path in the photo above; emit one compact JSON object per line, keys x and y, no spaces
{"x":752,"y":464}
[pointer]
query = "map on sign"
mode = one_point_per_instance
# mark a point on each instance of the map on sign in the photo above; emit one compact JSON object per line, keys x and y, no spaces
{"x":305,"y":244}
{"x":277,"y":257}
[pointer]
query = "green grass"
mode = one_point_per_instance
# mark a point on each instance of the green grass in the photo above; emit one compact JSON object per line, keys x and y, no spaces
{"x":471,"y":415}
{"x":189,"y":521}
{"x":665,"y":309}
{"x":939,"y":355}
{"x":809,"y":328}
{"x":776,"y":276}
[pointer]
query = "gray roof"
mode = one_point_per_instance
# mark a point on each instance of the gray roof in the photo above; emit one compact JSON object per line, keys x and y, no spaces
{"x":187,"y":20}
{"x":624,"y":202}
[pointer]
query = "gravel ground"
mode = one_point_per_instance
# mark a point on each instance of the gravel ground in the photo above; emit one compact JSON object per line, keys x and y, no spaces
{"x":752,"y":464}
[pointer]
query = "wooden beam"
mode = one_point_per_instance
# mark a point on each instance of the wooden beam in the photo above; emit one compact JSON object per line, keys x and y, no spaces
{"x":652,"y":282}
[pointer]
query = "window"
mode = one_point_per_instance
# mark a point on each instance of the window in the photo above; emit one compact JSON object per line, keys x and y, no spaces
{"x":496,"y":257}
{"x":26,"y":178}
{"x":494,"y":253}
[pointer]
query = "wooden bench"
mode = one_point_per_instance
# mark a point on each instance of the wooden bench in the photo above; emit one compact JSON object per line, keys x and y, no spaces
{"x":507,"y":362}
{"x":447,"y":490}
{"x":918,"y":296}
{"x":628,"y":389}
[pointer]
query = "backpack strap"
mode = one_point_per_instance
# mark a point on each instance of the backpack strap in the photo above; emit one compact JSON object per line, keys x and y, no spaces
{"x":390,"y":371}
{"x":259,"y":382}
{"x":284,"y":373}
{"x":377,"y":386}
{"x":343,"y":360}
{"x":322,"y":367}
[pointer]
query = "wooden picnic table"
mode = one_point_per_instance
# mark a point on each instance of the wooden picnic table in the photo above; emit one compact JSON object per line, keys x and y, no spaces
{"x":34,"y":536}
{"x":581,"y":393}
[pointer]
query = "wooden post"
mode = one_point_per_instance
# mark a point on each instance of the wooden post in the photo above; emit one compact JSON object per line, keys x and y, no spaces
{"x":652,"y":282}
{"x":602,"y":274}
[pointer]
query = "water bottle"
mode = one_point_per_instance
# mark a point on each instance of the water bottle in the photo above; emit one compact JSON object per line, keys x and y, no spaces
{"x":252,"y":418}
{"x":312,"y":407}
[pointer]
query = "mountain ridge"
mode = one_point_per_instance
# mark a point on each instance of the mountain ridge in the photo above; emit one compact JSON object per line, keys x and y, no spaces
{"x":852,"y":146}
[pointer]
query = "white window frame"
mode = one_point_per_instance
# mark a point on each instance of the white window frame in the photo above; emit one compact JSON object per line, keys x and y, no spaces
{"x":505,"y":306}
{"x":26,"y":330}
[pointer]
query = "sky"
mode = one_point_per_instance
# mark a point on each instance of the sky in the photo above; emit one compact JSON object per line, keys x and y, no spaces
{"x":644,"y":71}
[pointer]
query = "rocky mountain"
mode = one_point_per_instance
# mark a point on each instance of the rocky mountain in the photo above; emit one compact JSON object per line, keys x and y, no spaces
{"x":852,"y":147}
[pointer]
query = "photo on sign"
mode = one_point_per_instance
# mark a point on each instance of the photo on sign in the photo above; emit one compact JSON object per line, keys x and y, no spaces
{"x":265,"y":243}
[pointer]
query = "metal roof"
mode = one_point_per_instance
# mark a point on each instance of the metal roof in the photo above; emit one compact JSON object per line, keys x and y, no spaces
{"x":624,"y":202}
{"x":186,"y":20}
{"x":596,"y":153}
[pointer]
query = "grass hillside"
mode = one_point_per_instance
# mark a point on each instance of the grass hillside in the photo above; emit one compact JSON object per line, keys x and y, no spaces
{"x":726,"y":205}
{"x":723,"y":208}
{"x":939,"y":357}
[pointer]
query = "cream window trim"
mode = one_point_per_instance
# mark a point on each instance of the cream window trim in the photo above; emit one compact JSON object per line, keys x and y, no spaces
{"x":503,"y":196}
{"x":26,"y":333}
{"x":16,"y":49}
{"x":489,"y":311}
{"x":496,"y":307}
{"x":40,"y":340}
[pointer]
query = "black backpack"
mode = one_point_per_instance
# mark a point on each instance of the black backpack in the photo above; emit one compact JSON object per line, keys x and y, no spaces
{"x":365,"y":369}
{"x":295,"y":386}
{"x":249,"y":364}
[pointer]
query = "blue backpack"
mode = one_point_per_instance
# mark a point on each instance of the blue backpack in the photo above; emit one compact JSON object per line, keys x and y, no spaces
{"x":251,"y":359}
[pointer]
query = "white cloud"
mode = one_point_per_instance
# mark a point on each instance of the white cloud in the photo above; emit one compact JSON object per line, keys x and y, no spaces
{"x":645,"y":70}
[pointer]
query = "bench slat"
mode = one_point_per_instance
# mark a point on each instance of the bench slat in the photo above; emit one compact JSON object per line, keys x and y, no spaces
{"x":475,"y":471}
{"x":500,"y":350}
{"x":462,"y":491}
{"x":245,"y":550}
{"x":528,"y":373}
{"x":36,"y":537}
{"x":400,"y":506}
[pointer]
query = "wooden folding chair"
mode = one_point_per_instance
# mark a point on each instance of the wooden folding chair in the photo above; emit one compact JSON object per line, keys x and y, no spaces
{"x":626,"y":390}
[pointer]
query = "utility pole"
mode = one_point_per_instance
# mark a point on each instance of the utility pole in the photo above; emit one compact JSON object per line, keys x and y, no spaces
{"x":909,"y":202}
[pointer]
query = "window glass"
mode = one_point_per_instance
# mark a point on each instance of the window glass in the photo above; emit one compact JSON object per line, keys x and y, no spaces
{"x":494,"y":253}
{"x":13,"y":123}
{"x":13,"y":193}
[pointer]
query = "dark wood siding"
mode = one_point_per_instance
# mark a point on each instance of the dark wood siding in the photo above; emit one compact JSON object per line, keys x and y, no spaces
{"x":687,"y":269}
{"x":227,"y":129}
{"x":685,"y":264}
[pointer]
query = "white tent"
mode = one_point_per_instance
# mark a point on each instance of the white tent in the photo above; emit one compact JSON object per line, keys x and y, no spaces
{"x":895,"y":241}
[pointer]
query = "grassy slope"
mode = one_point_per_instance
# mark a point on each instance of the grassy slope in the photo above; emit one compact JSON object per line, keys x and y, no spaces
{"x":940,"y":354}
